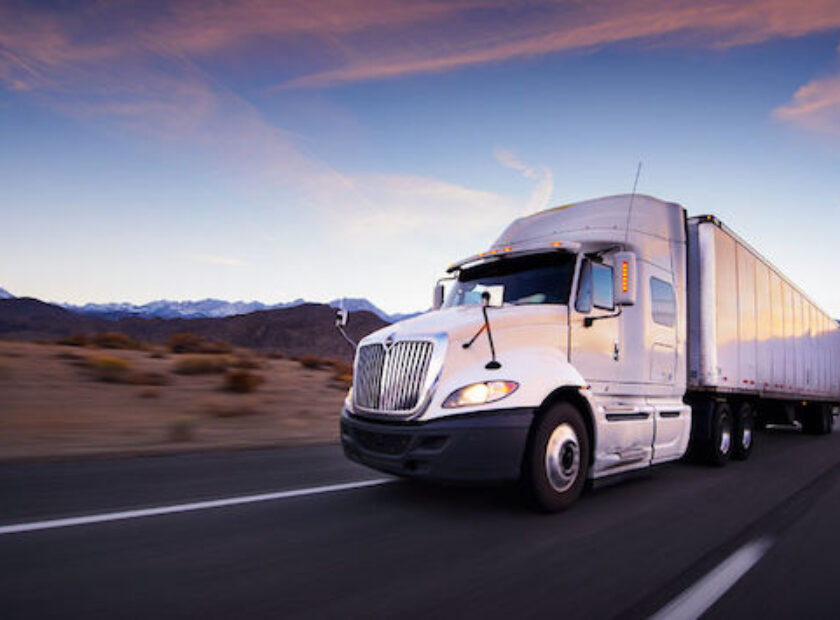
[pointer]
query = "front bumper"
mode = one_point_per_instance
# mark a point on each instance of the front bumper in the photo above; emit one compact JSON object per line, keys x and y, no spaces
{"x":464,"y":448}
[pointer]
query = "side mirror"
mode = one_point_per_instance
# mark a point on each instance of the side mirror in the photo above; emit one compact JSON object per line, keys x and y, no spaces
{"x":443,"y":286}
{"x":342,"y":318}
{"x":624,"y":283}
{"x":437,"y":296}
{"x":493,"y":297}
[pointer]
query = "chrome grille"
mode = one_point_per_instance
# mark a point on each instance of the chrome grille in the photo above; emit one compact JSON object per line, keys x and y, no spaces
{"x":392,"y":379}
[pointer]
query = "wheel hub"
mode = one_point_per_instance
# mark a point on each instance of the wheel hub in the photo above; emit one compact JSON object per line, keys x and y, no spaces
{"x":562,"y":458}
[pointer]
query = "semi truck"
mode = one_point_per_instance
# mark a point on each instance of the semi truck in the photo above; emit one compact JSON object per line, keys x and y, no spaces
{"x":590,"y":340}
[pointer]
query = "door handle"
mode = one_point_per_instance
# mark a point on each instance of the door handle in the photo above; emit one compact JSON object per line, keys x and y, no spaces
{"x":616,"y":350}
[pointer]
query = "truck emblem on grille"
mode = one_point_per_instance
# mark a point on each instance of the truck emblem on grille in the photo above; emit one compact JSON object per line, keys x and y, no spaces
{"x":389,"y":342}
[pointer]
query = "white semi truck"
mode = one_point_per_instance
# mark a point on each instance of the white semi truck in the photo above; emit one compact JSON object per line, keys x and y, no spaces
{"x":589,"y":340}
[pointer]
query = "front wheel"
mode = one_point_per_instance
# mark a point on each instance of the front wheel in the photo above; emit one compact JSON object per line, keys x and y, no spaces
{"x":557,"y":459}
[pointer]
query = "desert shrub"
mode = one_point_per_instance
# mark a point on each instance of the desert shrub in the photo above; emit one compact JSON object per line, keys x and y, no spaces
{"x":201,"y":364}
{"x":108,"y":368}
{"x":149,"y":392}
{"x":76,"y":340}
{"x":69,"y":356}
{"x":242,"y":381}
{"x":158,"y":353}
{"x":191,"y":343}
{"x":246,"y":363}
{"x":181,"y":429}
{"x":342,"y":374}
{"x":276,"y":355}
{"x":145,"y":378}
{"x":312,"y":362}
{"x":114,"y":340}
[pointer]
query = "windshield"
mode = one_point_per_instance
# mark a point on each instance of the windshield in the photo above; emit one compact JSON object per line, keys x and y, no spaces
{"x":538,"y":279}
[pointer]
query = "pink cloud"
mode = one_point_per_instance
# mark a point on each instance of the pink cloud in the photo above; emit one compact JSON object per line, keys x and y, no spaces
{"x":815,"y":106}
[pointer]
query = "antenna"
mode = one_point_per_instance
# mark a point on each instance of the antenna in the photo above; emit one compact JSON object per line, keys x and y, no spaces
{"x":632,"y":197}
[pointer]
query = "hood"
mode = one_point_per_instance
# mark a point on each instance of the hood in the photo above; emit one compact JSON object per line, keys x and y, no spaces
{"x":463,"y":321}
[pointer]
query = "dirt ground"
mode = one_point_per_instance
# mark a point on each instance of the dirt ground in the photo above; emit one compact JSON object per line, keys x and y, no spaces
{"x":61,"y":401}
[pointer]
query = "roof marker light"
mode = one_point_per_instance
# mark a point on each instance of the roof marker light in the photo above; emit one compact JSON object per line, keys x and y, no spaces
{"x":507,"y":249}
{"x":556,"y":244}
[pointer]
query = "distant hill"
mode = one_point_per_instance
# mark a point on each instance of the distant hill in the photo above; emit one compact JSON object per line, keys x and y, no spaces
{"x":295,"y":331}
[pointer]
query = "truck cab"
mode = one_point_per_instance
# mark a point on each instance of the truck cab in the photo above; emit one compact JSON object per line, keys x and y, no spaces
{"x":555,"y":356}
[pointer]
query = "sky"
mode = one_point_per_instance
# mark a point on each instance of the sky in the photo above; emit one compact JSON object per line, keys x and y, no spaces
{"x":326,"y":148}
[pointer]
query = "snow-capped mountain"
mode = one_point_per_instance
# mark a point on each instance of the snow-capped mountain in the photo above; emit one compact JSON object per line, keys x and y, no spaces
{"x":4,"y":294}
{"x":214,"y":308}
{"x":166,"y":309}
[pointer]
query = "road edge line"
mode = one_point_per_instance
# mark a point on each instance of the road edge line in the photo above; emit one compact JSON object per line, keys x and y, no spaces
{"x":122,"y":515}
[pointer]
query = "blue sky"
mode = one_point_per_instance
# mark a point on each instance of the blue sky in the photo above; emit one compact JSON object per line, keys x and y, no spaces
{"x":275,"y":151}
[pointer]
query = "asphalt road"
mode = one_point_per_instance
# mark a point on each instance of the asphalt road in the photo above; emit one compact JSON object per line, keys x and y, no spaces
{"x":627,"y":550}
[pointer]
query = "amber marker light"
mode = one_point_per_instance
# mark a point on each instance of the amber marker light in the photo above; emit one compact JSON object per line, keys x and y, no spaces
{"x":556,"y":244}
{"x":624,"y":276}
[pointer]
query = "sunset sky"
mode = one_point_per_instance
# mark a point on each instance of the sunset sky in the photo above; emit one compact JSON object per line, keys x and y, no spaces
{"x":326,"y":148}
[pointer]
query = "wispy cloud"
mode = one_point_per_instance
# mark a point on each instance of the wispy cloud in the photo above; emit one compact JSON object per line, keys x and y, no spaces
{"x":227,"y":261}
{"x":815,"y":106}
{"x":561,"y":26}
{"x":541,"y":194}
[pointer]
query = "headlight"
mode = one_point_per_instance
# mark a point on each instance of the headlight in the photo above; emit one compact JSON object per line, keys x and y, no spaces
{"x":480,"y":393}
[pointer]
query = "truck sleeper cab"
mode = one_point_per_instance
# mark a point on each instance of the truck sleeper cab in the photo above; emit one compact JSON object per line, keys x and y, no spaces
{"x":561,"y":354}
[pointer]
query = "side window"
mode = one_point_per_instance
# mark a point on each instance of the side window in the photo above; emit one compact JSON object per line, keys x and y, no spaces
{"x":663,"y":302}
{"x":602,"y":287}
{"x":583,"y":303}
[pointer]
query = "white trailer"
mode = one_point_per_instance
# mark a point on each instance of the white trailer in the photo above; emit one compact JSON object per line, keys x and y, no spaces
{"x":589,"y":340}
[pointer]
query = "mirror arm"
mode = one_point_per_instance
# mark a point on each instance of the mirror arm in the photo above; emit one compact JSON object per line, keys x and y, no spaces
{"x":589,"y":320}
{"x":344,"y":335}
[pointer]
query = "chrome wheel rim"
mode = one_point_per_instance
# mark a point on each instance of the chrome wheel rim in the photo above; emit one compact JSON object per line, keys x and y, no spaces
{"x":562,"y":458}
{"x":725,"y":436}
{"x":746,"y":438}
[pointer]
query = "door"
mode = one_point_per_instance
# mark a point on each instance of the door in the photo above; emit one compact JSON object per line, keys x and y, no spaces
{"x":624,"y":421}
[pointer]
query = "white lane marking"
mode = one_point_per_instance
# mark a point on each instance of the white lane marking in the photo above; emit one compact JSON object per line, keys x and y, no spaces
{"x":18,"y":528}
{"x":698,"y":598}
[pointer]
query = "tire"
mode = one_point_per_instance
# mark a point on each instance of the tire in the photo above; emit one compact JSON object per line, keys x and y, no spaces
{"x":719,"y":446}
{"x":818,"y":419}
{"x":556,"y":459}
{"x":743,"y":436}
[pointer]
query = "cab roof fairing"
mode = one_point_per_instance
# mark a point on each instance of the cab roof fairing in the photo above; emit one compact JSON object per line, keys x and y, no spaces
{"x":514,"y":251}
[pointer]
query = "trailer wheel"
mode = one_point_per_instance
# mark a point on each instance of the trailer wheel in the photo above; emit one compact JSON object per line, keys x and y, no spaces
{"x":744,"y":435}
{"x":720,"y":444}
{"x":556,"y":459}
{"x":818,"y":419}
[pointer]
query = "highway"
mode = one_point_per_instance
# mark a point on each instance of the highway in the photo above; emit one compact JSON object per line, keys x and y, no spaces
{"x":288,"y":533}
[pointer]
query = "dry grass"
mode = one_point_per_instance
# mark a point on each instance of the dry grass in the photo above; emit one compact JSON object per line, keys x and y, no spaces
{"x":182,"y":429}
{"x":108,"y":368}
{"x":312,"y":362}
{"x":225,"y":408}
{"x":104,"y":340}
{"x":149,"y":392}
{"x":50,"y":407}
{"x":201,"y":364}
{"x":76,"y":340}
{"x":190,"y":343}
{"x":242,"y":381}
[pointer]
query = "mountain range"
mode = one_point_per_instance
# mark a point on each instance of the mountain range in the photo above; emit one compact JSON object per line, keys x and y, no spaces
{"x":294,"y":331}
{"x":210,"y":308}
